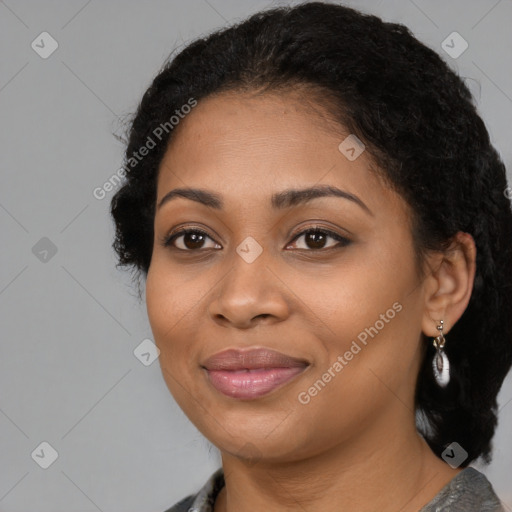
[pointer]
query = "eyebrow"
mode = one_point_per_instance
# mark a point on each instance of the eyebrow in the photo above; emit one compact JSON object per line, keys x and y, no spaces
{"x":279,"y":200}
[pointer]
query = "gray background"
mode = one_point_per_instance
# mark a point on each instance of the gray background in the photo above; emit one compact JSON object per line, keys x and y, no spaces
{"x":70,"y":321}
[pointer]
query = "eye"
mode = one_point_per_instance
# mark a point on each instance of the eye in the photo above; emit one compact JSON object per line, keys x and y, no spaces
{"x":315,"y":239}
{"x":191,"y":239}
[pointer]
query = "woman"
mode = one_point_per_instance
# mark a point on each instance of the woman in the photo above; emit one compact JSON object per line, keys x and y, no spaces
{"x":324,"y":232}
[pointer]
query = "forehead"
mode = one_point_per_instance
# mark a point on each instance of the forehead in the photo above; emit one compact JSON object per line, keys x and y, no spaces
{"x":249,"y":146}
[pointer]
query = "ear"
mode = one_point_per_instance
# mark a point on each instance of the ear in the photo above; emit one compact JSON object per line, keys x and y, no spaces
{"x":449,"y":284}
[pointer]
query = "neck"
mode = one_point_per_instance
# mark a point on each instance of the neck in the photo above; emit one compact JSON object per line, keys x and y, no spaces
{"x":397,"y":471}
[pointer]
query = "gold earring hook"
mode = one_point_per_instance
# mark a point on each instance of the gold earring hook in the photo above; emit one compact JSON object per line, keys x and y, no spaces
{"x":439,"y":341}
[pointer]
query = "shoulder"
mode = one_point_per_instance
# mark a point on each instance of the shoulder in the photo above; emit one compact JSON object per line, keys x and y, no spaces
{"x":469,"y":491}
{"x":204,"y":499}
{"x":182,"y":506}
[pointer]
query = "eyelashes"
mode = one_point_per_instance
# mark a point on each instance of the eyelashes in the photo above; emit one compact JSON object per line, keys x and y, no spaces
{"x":196,"y":236}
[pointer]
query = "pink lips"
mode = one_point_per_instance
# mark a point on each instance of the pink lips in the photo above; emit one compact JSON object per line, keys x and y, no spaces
{"x":251,"y":373}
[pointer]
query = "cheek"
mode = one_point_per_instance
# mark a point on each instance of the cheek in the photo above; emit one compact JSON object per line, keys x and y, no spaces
{"x":169,"y":303}
{"x":175,"y":301}
{"x":359,"y":293}
{"x":172,"y":295}
{"x":373,"y":323}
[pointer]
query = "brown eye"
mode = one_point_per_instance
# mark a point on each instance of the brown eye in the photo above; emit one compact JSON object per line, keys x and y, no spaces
{"x":315,"y":239}
{"x":192,"y":239}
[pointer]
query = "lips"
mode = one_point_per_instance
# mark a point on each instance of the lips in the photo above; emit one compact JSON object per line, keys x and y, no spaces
{"x":251,"y":359}
{"x":250,"y":374}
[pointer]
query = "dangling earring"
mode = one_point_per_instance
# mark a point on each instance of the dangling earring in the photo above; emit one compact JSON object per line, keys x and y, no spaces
{"x":440,"y":363}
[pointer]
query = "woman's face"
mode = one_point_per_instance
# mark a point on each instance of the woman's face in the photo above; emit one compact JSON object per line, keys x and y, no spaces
{"x":348,"y":310}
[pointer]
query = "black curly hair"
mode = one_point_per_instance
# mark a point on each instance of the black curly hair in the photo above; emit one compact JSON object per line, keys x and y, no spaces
{"x":420,"y":126}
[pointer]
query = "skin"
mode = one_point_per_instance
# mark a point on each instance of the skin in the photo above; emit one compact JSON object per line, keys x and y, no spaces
{"x":355,"y":444}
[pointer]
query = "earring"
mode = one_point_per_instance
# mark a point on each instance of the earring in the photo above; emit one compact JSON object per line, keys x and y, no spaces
{"x":440,"y":363}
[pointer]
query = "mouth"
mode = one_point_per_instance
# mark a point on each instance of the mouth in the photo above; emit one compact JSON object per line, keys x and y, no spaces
{"x":251,"y":374}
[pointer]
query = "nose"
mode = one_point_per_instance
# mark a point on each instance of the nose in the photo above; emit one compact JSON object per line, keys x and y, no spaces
{"x":249,"y":294}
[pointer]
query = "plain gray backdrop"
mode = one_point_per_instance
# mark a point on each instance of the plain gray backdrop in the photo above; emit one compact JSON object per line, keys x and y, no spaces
{"x":71,"y":323}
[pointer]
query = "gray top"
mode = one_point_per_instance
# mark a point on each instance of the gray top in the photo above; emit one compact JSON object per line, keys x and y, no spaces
{"x":468,"y":491}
